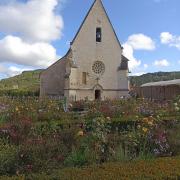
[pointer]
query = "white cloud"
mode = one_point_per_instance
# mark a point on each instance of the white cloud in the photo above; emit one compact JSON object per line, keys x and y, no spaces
{"x":145,"y":66}
{"x":12,"y":70}
{"x":161,"y":63}
{"x":141,"y":42}
{"x":34,"y":20}
{"x":138,"y":73}
{"x":171,"y":40}
{"x":179,"y":61}
{"x":166,"y":37}
{"x":14,"y":49}
{"x":129,"y":53}
{"x":29,"y":27}
{"x":137,"y":42}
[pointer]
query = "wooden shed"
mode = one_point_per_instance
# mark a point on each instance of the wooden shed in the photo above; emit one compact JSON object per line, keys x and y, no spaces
{"x":162,"y":90}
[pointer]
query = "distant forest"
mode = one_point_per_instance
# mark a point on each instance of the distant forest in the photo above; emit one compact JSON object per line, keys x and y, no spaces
{"x":154,"y":77}
{"x":28,"y":82}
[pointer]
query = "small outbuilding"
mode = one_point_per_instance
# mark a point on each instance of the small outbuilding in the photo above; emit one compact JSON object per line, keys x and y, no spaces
{"x":162,"y":90}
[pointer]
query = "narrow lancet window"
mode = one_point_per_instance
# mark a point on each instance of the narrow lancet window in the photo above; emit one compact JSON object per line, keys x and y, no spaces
{"x":98,"y":35}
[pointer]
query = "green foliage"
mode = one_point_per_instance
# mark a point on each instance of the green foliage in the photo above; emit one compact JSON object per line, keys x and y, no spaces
{"x":120,"y":154}
{"x":174,"y":138}
{"x":154,"y":77}
{"x":161,"y":169}
{"x":19,"y":93}
{"x":77,"y":158}
{"x":8,"y":158}
{"x":37,"y":136}
{"x":25,"y":84}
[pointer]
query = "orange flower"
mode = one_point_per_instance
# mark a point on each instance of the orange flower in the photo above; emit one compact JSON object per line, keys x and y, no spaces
{"x":145,"y":120}
{"x":150,"y":123}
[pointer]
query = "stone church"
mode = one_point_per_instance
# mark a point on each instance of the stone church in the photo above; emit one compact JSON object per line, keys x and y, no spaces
{"x":94,"y":67}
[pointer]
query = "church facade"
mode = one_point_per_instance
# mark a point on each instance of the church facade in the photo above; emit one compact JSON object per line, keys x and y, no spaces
{"x":94,"y":66}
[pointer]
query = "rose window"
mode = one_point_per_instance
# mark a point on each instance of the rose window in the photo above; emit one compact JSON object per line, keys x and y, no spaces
{"x":98,"y":67}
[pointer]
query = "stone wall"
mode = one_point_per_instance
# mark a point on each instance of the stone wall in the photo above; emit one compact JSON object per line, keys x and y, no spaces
{"x":52,"y":79}
{"x":86,"y":51}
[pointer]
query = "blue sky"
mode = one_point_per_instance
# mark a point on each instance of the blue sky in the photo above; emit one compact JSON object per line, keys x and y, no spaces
{"x":32,"y":37}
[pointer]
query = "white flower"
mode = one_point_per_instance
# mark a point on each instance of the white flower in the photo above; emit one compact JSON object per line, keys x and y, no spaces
{"x":175,"y":104}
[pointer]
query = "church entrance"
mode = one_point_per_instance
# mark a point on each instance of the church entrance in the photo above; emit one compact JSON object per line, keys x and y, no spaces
{"x":97,"y":95}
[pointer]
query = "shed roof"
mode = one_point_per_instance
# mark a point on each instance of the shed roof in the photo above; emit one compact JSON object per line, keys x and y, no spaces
{"x":163,"y":83}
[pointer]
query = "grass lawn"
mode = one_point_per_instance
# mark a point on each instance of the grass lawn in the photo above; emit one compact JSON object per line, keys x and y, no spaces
{"x":161,"y":169}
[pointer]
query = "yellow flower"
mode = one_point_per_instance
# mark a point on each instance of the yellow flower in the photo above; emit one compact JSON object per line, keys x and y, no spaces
{"x":80,"y":133}
{"x":145,"y":129}
{"x":150,"y":123}
{"x":17,"y":109}
{"x":130,"y":136}
{"x":145,"y":120}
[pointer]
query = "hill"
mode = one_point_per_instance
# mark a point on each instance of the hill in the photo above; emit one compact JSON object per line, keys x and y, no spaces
{"x":27,"y":81}
{"x":154,"y":77}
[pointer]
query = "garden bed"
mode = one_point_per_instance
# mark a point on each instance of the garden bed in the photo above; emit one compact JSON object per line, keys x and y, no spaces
{"x":37,"y":136}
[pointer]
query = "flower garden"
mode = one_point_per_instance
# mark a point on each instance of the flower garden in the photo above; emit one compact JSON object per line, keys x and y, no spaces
{"x":123,"y":139}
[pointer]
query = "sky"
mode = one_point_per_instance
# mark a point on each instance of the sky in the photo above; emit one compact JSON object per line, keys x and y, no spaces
{"x":36,"y":33}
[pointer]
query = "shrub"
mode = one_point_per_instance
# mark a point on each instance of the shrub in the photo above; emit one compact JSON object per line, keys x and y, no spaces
{"x":42,"y":154}
{"x":16,"y":131}
{"x":161,"y":169}
{"x":173,"y":136}
{"x":120,"y":154}
{"x":77,"y":158}
{"x":8,"y":158}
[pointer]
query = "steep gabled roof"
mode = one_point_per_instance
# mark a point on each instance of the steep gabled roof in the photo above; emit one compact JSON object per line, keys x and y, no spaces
{"x":61,"y":59}
{"x":107,"y":18}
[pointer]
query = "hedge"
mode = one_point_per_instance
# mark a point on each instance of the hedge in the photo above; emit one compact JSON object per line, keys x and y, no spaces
{"x":161,"y":169}
{"x":18,"y":93}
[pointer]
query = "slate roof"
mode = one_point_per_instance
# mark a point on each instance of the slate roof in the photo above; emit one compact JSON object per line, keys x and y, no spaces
{"x":124,"y":63}
{"x":163,"y":83}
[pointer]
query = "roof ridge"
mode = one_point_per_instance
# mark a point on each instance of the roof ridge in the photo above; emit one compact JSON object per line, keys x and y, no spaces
{"x":107,"y":18}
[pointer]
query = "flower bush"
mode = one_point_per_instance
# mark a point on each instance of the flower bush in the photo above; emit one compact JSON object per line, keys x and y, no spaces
{"x":40,"y":135}
{"x":8,"y":158}
{"x":177,"y":104}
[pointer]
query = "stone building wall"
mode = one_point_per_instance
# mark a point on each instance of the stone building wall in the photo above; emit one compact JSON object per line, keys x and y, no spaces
{"x":52,"y":80}
{"x":86,"y":51}
{"x":65,"y":76}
